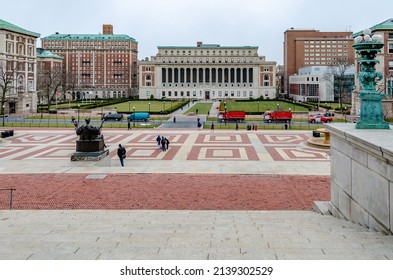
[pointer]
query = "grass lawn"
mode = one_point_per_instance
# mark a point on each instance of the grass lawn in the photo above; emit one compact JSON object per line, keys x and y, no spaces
{"x":143,"y":106}
{"x":202,"y":108}
{"x":262,"y":106}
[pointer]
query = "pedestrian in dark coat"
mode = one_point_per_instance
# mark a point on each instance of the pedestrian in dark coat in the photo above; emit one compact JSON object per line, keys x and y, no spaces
{"x":129,"y":124}
{"x":121,"y":153}
{"x":166,"y":143}
{"x":158,"y":139}
{"x":163,"y":143}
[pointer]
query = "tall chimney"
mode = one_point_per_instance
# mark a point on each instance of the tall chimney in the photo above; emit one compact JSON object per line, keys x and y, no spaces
{"x":107,"y":29}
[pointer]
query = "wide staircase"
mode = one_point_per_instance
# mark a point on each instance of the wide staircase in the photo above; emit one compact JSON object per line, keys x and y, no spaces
{"x":202,"y":235}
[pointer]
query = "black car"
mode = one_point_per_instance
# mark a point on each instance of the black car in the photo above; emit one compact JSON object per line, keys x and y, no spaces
{"x":112,"y":117}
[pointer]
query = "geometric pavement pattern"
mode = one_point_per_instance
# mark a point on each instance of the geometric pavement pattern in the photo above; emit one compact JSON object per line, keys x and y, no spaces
{"x":188,"y":145}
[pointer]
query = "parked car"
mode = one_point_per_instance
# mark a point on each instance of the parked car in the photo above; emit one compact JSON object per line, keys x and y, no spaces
{"x":112,"y":117}
{"x":139,"y":116}
{"x":325,"y":118}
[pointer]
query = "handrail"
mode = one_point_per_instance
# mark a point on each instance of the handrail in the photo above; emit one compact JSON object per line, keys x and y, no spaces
{"x":11,"y":190}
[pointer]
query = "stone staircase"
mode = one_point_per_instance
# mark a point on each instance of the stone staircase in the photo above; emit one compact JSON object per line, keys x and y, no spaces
{"x":145,"y":234}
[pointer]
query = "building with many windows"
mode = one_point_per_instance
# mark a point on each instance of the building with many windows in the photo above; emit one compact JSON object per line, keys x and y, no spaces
{"x":207,"y":71}
{"x":18,"y":64}
{"x":385,"y":66}
{"x":322,"y":83}
{"x":97,"y":65}
{"x":310,"y":47}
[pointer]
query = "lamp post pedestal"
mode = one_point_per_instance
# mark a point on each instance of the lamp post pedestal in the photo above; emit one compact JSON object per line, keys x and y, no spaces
{"x":371,"y":113}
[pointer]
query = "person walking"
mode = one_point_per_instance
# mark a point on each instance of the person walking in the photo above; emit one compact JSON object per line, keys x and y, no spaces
{"x":121,"y":153}
{"x":158,"y":139}
{"x":212,"y":127}
{"x":163,"y":143}
{"x":129,"y":124}
{"x":166,"y":143}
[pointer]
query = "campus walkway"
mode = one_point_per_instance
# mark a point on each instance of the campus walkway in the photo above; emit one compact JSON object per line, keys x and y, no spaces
{"x":177,"y":234}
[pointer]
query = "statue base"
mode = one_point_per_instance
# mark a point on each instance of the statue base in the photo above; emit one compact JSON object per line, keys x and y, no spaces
{"x":89,"y":156}
{"x":95,"y":145}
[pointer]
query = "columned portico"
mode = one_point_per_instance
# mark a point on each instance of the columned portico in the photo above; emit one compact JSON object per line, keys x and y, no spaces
{"x":208,"y":72}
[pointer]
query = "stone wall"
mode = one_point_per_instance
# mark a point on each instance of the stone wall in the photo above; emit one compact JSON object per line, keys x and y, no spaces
{"x":362,"y":176}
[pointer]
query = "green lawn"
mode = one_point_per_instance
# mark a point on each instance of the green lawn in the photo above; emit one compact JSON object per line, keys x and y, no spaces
{"x":202,"y":108}
{"x":262,"y":106}
{"x":143,"y":106}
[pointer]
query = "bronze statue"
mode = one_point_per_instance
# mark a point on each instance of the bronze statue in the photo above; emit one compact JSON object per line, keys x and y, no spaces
{"x":89,"y":132}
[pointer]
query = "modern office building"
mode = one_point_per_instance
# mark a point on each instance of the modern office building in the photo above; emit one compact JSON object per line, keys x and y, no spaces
{"x":18,"y":66}
{"x":322,"y":83}
{"x":309,"y":47}
{"x":207,"y":71}
{"x":385,"y":66}
{"x":97,"y":65}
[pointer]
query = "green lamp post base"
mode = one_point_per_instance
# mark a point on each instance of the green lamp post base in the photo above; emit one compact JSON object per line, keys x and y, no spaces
{"x":371,"y":114}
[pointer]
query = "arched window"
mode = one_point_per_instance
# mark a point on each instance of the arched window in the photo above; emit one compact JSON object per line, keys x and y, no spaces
{"x":148,"y":80}
{"x":266,"y":80}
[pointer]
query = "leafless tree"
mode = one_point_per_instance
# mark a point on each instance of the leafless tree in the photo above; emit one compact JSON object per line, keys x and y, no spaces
{"x":342,"y":83}
{"x":49,"y":82}
{"x":7,"y":77}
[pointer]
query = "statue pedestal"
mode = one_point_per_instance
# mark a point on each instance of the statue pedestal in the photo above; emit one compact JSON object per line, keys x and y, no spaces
{"x":90,"y":145}
{"x":89,"y":150}
{"x":89,"y":156}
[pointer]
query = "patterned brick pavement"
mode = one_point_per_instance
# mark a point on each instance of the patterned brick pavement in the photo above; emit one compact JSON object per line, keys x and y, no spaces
{"x":166,"y":190}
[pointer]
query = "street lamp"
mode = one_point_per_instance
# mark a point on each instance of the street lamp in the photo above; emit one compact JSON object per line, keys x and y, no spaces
{"x":258,"y":106}
{"x":102,"y":108}
{"x":79,"y":106}
{"x":278,"y":106}
{"x":345,"y":114}
{"x":129,"y":103}
{"x":164,"y":106}
{"x":3,"y":113}
{"x":149,"y":107}
{"x":41,"y":109}
{"x":134,"y":116}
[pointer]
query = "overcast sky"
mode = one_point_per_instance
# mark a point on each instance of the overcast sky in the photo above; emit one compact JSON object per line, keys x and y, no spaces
{"x":153,"y":23}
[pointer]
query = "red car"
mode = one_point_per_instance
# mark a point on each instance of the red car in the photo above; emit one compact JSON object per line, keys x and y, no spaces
{"x":325,"y":118}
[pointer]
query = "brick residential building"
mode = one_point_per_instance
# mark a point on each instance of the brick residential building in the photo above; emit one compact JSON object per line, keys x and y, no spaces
{"x":97,"y":65}
{"x":310,"y":47}
{"x":207,"y":71}
{"x":18,"y":65}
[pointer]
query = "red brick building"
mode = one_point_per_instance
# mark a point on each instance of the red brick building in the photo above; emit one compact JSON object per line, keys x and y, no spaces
{"x":97,"y":65}
{"x":314,"y":48}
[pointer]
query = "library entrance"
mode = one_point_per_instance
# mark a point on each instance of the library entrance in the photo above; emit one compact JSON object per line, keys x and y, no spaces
{"x":207,"y":94}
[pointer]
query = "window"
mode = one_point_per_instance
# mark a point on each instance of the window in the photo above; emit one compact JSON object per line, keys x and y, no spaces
{"x":266,"y":80}
{"x":391,"y":65}
{"x":9,"y":47}
{"x":390,"y":47}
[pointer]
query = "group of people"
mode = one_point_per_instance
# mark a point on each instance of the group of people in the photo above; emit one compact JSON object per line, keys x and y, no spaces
{"x":162,"y":143}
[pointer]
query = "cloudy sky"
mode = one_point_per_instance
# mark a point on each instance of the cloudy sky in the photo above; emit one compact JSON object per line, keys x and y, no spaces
{"x":155,"y":23}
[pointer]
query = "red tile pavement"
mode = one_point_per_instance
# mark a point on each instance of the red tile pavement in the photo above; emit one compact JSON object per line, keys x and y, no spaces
{"x":165,"y":191}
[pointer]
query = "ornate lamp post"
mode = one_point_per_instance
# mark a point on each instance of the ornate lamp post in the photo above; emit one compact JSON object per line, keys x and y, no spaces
{"x":134,"y":116}
{"x":79,"y":108}
{"x":149,"y":107}
{"x":3,"y":113}
{"x":371,"y":113}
